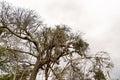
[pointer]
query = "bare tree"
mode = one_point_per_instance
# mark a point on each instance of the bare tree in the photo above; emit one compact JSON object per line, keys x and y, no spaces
{"x":22,"y":31}
{"x":89,"y":67}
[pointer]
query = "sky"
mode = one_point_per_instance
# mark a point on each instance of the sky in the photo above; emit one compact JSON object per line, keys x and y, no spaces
{"x":99,"y":20}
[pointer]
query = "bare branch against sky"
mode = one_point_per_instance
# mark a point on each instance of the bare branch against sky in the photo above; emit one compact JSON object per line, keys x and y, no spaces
{"x":98,"y":19}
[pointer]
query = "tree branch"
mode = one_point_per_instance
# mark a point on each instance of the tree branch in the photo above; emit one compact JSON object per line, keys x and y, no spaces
{"x":22,"y":52}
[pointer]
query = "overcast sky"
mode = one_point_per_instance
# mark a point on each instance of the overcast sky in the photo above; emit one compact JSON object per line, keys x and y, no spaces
{"x":98,"y":19}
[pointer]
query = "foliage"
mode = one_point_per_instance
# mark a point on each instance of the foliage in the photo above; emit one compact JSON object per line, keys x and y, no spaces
{"x":8,"y":64}
{"x":6,"y":77}
{"x":6,"y":59}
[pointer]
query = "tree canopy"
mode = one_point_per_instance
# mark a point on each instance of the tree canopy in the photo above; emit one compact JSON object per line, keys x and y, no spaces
{"x":34,"y":47}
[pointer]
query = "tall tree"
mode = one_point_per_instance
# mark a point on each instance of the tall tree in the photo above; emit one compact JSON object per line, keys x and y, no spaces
{"x":23,"y":32}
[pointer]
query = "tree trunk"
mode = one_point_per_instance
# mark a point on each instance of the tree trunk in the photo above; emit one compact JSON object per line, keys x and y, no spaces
{"x":35,"y":70}
{"x":46,"y":75}
{"x":46,"y":72}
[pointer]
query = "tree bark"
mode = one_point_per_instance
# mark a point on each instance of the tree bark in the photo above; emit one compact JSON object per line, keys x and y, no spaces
{"x":46,"y":75}
{"x":35,"y":70}
{"x":39,"y":63}
{"x":46,"y":72}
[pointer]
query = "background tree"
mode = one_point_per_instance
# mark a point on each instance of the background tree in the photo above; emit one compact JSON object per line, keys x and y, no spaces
{"x":11,"y":65}
{"x":91,"y":67}
{"x":44,"y":47}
